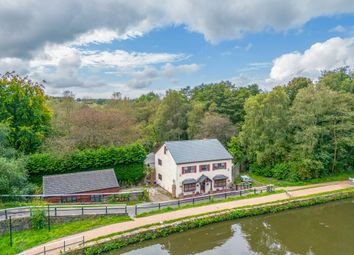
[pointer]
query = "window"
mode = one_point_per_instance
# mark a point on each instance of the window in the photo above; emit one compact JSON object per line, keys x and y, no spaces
{"x":160,"y":177}
{"x":217,"y":166}
{"x":165,"y":150}
{"x":159,"y":162}
{"x":189,"y":169}
{"x":69,"y":199}
{"x":203,"y":168}
{"x":189,"y":187}
{"x":220,"y":183}
{"x":96,"y":198}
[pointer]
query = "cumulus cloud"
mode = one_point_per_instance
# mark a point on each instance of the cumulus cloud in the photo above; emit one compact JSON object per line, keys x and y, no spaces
{"x":29,"y":25}
{"x":148,"y":75}
{"x":333,"y":53}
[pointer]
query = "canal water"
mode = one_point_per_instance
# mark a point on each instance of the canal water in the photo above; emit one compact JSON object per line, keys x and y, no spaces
{"x":321,"y":229}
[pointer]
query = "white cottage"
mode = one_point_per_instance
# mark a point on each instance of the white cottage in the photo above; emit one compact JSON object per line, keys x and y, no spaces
{"x":193,"y":167}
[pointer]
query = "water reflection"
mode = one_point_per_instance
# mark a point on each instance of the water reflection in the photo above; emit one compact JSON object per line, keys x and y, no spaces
{"x":323,"y":229}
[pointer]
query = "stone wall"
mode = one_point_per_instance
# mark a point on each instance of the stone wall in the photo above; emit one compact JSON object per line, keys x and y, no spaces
{"x":19,"y":224}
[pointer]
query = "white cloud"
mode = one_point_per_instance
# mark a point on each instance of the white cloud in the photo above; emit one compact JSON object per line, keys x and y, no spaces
{"x":333,"y":53}
{"x":29,"y":25}
{"x":338,"y":29}
{"x":98,"y":36}
{"x":148,"y":75}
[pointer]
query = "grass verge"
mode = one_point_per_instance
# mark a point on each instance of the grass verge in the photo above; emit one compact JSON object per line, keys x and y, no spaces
{"x":26,"y":239}
{"x":282,"y":183}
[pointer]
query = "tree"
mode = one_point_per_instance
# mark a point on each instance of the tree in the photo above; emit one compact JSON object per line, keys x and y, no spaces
{"x":24,"y":110}
{"x":13,"y":176}
{"x":264,"y":132}
{"x":171,"y":118}
{"x":322,"y":123}
{"x":93,"y":128}
{"x":224,"y":98}
{"x":293,"y":87}
{"x":214,"y":125}
{"x":234,"y":147}
{"x":195,"y":117}
{"x":341,"y":79}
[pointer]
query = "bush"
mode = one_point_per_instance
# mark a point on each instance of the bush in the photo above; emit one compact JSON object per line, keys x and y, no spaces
{"x":46,"y":163}
{"x":261,"y":170}
{"x":129,"y":174}
{"x":281,"y":171}
{"x":38,"y":219}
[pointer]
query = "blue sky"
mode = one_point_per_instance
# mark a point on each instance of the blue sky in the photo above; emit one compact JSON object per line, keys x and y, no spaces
{"x":155,"y":48}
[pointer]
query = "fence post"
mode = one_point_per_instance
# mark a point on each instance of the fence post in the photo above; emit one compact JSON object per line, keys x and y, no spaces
{"x":240,"y":192}
{"x":225,"y":195}
{"x":193,"y":200}
{"x":48,"y":218}
{"x":5,"y":214}
{"x":55,"y":212}
{"x":10,"y":232}
{"x":254,"y":190}
{"x":44,"y":250}
{"x":126,"y":209}
{"x":209,"y":197}
{"x":82,"y":210}
{"x":83,"y":240}
{"x":30,"y":211}
{"x":106,"y":210}
{"x":159,"y":206}
{"x":136,"y":209}
{"x":64,"y":247}
{"x":178,"y":203}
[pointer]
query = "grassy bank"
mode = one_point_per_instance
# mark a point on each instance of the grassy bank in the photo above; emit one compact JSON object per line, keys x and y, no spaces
{"x":29,"y":238}
{"x":199,"y":221}
{"x":212,"y":201}
{"x":281,"y":183}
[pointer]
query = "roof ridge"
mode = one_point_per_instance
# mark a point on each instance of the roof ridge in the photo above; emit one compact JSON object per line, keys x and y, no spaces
{"x":79,"y":172}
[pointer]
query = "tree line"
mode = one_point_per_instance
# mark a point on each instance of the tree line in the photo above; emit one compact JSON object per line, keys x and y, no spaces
{"x":299,"y":130}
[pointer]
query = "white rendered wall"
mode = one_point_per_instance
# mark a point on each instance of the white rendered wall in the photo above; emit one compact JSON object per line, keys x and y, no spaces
{"x":167,"y":170}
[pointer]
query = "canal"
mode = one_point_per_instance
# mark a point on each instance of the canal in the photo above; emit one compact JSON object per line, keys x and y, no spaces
{"x":321,"y":229}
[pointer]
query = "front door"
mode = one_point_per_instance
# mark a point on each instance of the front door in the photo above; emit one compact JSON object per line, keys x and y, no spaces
{"x":202,"y":187}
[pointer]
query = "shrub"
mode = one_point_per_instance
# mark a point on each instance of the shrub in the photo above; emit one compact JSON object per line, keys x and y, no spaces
{"x":38,"y":219}
{"x":261,"y":170}
{"x":281,"y":171}
{"x":129,"y":174}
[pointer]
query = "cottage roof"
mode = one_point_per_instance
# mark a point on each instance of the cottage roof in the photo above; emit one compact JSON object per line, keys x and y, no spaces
{"x":197,"y":150}
{"x":79,"y":182}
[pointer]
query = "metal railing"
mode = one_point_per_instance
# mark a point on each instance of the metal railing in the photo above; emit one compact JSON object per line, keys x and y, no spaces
{"x":65,"y":247}
{"x":146,"y":207}
{"x":56,"y":211}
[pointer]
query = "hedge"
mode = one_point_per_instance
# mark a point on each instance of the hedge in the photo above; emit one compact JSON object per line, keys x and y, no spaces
{"x":210,"y":219}
{"x":129,"y":174}
{"x":123,"y":159}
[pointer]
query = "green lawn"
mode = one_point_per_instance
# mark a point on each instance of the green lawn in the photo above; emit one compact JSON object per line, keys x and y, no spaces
{"x":29,"y":238}
{"x":213,"y":201}
{"x":280,"y":183}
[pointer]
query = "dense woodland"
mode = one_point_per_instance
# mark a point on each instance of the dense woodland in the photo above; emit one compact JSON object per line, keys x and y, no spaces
{"x":297,"y":131}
